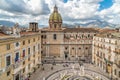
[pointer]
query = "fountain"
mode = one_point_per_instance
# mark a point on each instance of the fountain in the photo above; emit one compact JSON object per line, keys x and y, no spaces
{"x":82,"y":71}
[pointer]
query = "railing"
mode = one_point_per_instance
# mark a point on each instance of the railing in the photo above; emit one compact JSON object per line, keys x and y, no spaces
{"x":9,"y":67}
{"x":24,"y":58}
{"x":17,"y":67}
{"x":29,"y":55}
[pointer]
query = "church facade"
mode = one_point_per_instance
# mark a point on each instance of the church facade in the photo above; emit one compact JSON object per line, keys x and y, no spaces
{"x":66,"y":43}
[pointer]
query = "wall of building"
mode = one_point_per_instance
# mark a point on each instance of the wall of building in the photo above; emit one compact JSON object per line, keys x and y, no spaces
{"x":74,"y":47}
{"x":105,"y":54}
{"x":25,"y":64}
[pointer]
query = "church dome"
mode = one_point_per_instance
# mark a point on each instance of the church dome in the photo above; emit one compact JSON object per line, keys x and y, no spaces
{"x":55,"y":16}
{"x":55,"y":20}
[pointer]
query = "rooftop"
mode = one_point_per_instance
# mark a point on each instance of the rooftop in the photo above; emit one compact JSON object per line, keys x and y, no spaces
{"x":107,"y":30}
{"x":80,"y":30}
{"x":11,"y":36}
{"x":109,"y":35}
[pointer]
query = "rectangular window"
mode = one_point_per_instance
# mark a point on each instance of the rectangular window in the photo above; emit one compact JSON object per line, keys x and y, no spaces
{"x":8,"y":60}
{"x":28,"y":50}
{"x":119,"y":74}
{"x":23,"y":70}
{"x":23,"y":42}
{"x":115,"y":71}
{"x":28,"y":59}
{"x":54,"y":36}
{"x":34,"y":55}
{"x":33,"y":48}
{"x":28,"y":66}
{"x":23,"y":62}
{"x":23,"y":54}
{"x":17,"y":57}
{"x":8,"y":46}
{"x":29,"y":41}
{"x":33,"y":39}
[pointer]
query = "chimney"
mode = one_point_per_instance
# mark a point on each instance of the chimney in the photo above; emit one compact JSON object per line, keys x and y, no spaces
{"x":33,"y":26}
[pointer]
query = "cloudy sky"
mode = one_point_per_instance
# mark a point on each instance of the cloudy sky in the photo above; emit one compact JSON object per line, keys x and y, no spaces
{"x":72,"y":11}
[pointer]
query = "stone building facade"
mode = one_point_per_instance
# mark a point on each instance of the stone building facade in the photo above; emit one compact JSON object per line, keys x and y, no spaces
{"x":19,"y":56}
{"x":66,"y":43}
{"x":106,"y":53}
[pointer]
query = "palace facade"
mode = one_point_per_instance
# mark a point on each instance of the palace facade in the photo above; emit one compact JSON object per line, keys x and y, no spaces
{"x":106,"y":53}
{"x":20,"y":54}
{"x":66,"y":43}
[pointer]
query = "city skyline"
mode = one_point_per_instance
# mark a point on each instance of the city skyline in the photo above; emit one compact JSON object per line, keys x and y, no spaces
{"x":72,"y":11}
{"x":58,"y":52}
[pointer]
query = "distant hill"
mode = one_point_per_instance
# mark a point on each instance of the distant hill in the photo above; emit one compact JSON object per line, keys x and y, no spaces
{"x":82,"y":23}
{"x":94,"y":23}
{"x":7,"y":23}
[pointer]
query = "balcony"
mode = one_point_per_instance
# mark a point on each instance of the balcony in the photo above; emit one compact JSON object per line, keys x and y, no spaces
{"x":9,"y":67}
{"x":17,"y":67}
{"x":29,"y":55}
{"x":24,"y":58}
{"x":117,"y":64}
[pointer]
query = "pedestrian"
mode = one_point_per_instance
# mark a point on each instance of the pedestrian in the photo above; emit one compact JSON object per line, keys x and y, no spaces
{"x":52,"y":68}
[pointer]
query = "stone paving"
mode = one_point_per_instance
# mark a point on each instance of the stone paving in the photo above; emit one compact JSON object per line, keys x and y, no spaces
{"x":43,"y":74}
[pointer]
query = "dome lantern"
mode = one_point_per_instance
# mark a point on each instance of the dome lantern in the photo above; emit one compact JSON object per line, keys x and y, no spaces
{"x":55,"y":9}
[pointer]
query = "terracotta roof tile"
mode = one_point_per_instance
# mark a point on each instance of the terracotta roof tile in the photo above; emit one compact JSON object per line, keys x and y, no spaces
{"x":80,"y":30}
{"x":107,"y":30}
{"x":2,"y":34}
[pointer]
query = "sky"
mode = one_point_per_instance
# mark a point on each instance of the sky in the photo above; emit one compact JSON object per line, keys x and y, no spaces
{"x":72,"y":11}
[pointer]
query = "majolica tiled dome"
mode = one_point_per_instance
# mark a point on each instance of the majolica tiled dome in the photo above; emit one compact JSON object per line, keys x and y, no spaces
{"x":55,"y":20}
{"x":55,"y":16}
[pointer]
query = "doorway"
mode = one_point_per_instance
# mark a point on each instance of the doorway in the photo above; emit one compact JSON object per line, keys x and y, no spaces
{"x":66,"y":55}
{"x":17,"y":77}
